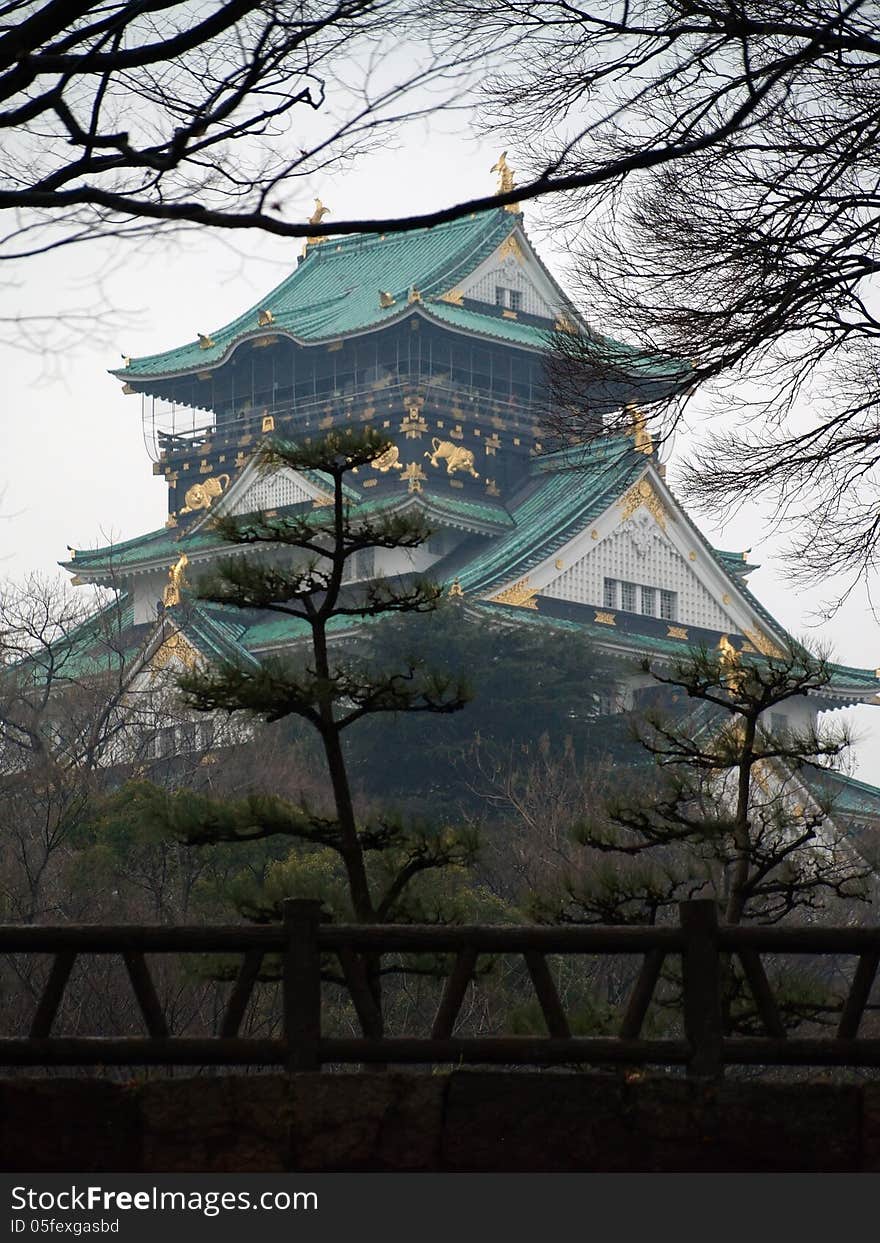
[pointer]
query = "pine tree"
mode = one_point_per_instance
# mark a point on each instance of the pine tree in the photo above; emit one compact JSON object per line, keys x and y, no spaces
{"x":734,"y":805}
{"x":363,"y":871}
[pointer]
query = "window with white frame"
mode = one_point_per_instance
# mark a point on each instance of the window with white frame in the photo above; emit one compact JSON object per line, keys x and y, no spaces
{"x":639,"y":598}
{"x":509,"y":299}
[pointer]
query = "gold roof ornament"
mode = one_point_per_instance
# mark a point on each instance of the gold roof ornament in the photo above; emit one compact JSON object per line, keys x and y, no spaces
{"x":264,"y":317}
{"x":414,"y":476}
{"x":206,"y":341}
{"x":640,"y":494}
{"x":505,"y":179}
{"x":520,"y":594}
{"x":174,"y":586}
{"x":386,"y":299}
{"x":638,"y":429}
{"x":126,"y":360}
{"x":319,"y":213}
{"x":564,"y":324}
{"x":175,"y":647}
{"x":455,"y":592}
{"x":415,"y":294}
{"x":732,"y":674}
{"x":316,"y":217}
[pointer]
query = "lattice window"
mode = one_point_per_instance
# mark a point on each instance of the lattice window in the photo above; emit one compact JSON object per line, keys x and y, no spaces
{"x":638,"y":552}
{"x":273,"y":492}
{"x":668,"y":605}
{"x":510,"y":281}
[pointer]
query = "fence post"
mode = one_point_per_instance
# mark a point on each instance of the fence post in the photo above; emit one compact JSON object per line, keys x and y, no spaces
{"x":302,"y":983}
{"x":701,"y":972}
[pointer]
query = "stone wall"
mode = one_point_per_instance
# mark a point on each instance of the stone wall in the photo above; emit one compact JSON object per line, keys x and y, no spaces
{"x":464,"y":1121}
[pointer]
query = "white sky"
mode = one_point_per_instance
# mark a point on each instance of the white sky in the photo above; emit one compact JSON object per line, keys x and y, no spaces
{"x":75,"y":467}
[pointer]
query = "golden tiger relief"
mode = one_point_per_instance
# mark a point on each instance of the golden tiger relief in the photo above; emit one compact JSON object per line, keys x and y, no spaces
{"x":202,"y":495}
{"x":455,"y":457}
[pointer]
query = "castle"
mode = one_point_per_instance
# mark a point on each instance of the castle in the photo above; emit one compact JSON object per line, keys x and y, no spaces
{"x":438,"y":339}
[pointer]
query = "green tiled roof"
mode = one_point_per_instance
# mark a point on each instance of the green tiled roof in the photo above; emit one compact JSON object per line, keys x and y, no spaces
{"x":335,"y":288}
{"x":465,"y":511}
{"x":734,"y":562}
{"x":851,"y":797}
{"x":549,"y":511}
{"x":334,"y":292}
{"x":165,"y":545}
{"x":633,"y":642}
{"x":471,"y":321}
{"x":162,"y":545}
{"x":106,"y":642}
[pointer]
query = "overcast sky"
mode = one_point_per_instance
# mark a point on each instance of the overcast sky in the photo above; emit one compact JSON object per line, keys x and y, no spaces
{"x":75,"y":467}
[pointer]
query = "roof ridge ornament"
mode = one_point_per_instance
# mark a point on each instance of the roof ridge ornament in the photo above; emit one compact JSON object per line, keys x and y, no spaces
{"x":316,"y":217}
{"x":174,"y":586}
{"x":732,"y":674}
{"x":638,"y":429}
{"x":505,"y":180}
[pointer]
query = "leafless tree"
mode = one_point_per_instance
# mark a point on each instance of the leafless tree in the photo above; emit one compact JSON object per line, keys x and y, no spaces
{"x":720,"y":159}
{"x":130,"y":116}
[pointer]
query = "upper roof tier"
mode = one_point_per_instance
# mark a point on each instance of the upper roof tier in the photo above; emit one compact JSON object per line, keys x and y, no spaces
{"x":347,"y":286}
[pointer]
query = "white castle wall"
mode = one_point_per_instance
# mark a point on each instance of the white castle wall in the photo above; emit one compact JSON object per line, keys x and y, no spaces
{"x":509,"y":274}
{"x":272,"y":492}
{"x":639,"y":552}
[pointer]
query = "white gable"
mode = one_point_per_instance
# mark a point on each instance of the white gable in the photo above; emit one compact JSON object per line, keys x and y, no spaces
{"x":644,"y":539}
{"x":514,"y":266}
{"x":256,"y":490}
{"x":272,"y":491}
{"x":638,"y":551}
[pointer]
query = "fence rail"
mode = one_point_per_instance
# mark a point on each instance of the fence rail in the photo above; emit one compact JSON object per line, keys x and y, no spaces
{"x":705,"y":950}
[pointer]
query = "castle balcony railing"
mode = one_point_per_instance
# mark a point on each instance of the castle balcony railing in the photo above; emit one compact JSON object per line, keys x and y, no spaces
{"x":172,"y":429}
{"x":698,"y":953}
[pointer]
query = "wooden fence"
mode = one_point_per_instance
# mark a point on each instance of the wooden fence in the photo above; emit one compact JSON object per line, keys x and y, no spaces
{"x":302,"y":940}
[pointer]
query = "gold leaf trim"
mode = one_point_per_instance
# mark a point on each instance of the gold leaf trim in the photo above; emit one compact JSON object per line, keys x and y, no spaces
{"x":641,"y":494}
{"x":519,"y":594}
{"x":765,"y":646}
{"x":175,"y":646}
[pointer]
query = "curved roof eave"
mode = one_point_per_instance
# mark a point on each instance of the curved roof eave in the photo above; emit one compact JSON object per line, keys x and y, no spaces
{"x":407,"y":311}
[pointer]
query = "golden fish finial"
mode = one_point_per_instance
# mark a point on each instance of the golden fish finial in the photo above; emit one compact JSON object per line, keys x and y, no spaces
{"x":206,"y":341}
{"x":505,"y":174}
{"x":264,"y":317}
{"x":319,"y":213}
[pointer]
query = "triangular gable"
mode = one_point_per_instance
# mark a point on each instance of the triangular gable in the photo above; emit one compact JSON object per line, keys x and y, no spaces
{"x":645,"y":538}
{"x":515,"y":266}
{"x":257,"y":490}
